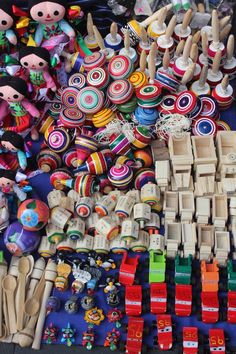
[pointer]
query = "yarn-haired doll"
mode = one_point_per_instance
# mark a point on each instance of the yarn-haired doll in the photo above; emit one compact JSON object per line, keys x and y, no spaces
{"x":7,"y":36}
{"x":14,"y":143}
{"x":13,"y":91}
{"x":36,"y":61}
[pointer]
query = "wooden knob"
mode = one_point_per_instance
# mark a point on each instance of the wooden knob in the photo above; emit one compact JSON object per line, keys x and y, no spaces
{"x":180,"y":47}
{"x":99,"y":38}
{"x":143,"y":36}
{"x":162,"y":17}
{"x":194,"y":52}
{"x":204,"y":43}
{"x":225,"y":32}
{"x":113,"y":31}
{"x":166,"y":59}
{"x":225,"y":82}
{"x":215,"y":27}
{"x":230,"y":47}
{"x":188,"y":75}
{"x":90,"y":26}
{"x":154,"y":16}
{"x":203,"y":76}
{"x":196,"y":37}
{"x":143,"y":60}
{"x":152,"y":62}
{"x":216,"y":62}
{"x":127,"y":41}
{"x":187,"y":48}
{"x":224,"y":21}
{"x":201,"y":8}
{"x":186,"y":20}
{"x":171,"y":26}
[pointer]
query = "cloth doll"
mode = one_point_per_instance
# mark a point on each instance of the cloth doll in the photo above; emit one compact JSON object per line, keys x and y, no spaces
{"x":4,"y":212}
{"x":7,"y":36}
{"x":14,"y":143}
{"x":36,"y":61}
{"x":9,"y":186}
{"x":12,"y":92}
{"x":53,"y":31}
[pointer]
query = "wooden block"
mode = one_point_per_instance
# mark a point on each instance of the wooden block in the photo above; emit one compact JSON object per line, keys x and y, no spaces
{"x":204,"y":150}
{"x":205,"y":235}
{"x":162,"y":171}
{"x":171,"y":202}
{"x":180,"y":149}
{"x":173,"y":233}
{"x":219,"y":207}
{"x":203,"y":207}
{"x":186,"y":205}
{"x":226,"y":147}
{"x":205,"y":170}
{"x":159,"y":150}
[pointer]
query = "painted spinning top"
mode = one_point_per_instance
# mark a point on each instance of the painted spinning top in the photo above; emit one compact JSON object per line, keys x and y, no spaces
{"x":120,"y":67}
{"x":223,"y":93}
{"x":70,"y":158}
{"x":57,"y":176}
{"x":48,"y":160}
{"x":69,"y":96}
{"x":71,"y":118}
{"x":120,"y":91}
{"x":113,"y":39}
{"x":186,"y":102}
{"x":103,"y":117}
{"x":97,"y":59}
{"x":146,"y":116}
{"x":183,"y":30}
{"x":84,"y":185}
{"x":120,"y":145}
{"x":165,"y":40}
{"x":138,"y":79}
{"x":120,"y":176}
{"x":97,"y":163}
{"x":142,"y":137}
{"x":183,"y":63}
{"x":77,"y":80}
{"x":143,"y":158}
{"x":85,"y":145}
{"x":58,"y":139}
{"x":209,"y":106}
{"x":158,"y":27}
{"x":204,"y":126}
{"x":98,"y":77}
{"x":90,"y":39}
{"x":90,"y":100}
{"x":143,"y":176}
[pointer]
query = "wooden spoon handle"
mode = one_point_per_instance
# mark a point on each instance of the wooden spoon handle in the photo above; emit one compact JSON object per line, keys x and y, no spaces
{"x":215,"y":27}
{"x":21,"y":301}
{"x":11,"y":312}
{"x":143,"y":61}
{"x":230,"y":47}
{"x":154,"y":16}
{"x":40,"y":287}
{"x":171,"y":27}
{"x":186,"y":20}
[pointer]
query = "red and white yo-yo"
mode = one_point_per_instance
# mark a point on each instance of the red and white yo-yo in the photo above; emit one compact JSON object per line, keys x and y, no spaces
{"x":144,"y":43}
{"x":216,"y":44}
{"x":158,"y":27}
{"x":214,"y":75}
{"x":182,"y":63}
{"x":223,"y":93}
{"x":230,"y":63}
{"x":90,"y":39}
{"x":201,"y":87}
{"x":113,"y":39}
{"x":203,"y":57}
{"x":166,"y":40}
{"x":128,"y":50}
{"x":109,"y":52}
{"x":183,"y":30}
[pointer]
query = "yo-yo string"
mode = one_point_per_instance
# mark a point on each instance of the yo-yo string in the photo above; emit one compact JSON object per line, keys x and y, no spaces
{"x":115,"y":127}
{"x":175,"y":124}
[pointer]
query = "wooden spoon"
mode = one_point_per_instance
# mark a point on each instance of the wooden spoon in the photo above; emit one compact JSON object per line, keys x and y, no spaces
{"x":9,"y":286}
{"x":26,"y":336}
{"x":23,"y":268}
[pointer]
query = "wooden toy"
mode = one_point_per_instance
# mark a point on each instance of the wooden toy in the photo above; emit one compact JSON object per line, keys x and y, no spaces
{"x":189,"y":238}
{"x":209,"y":276}
{"x":135,"y":329}
{"x":200,"y":86}
{"x":191,"y":343}
{"x":186,"y":206}
{"x":183,"y":299}
{"x":209,"y":306}
{"x":172,"y":238}
{"x":55,"y":234}
{"x":129,"y":231}
{"x":180,"y":149}
{"x":203,"y":150}
{"x":101,"y":244}
{"x":142,"y":243}
{"x":35,"y":276}
{"x":23,"y":269}
{"x":223,"y":93}
{"x":183,"y":30}
{"x":230,"y":63}
{"x":162,"y":171}
{"x":231,"y":306}
{"x":107,"y":226}
{"x":216,"y":45}
{"x":219,"y":211}
{"x":90,"y":39}
{"x":165,"y":40}
{"x":158,"y":298}
{"x":3,"y":273}
{"x":157,"y":267}
{"x":170,"y":205}
{"x":142,"y":213}
{"x":217,"y":340}
{"x":133,"y":300}
{"x":9,"y":286}
{"x":128,"y":269}
{"x":214,"y":75}
{"x":202,"y":210}
{"x":48,"y":160}
{"x":222,"y":246}
{"x":205,"y":241}
{"x":113,"y":39}
{"x":109,"y":52}
{"x":203,"y":57}
{"x":144,"y":43}
{"x":182,"y":63}
{"x":158,"y":27}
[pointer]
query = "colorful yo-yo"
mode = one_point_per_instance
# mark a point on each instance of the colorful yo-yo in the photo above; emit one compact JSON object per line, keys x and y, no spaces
{"x":69,"y":97}
{"x":85,"y":145}
{"x":129,"y":106}
{"x":216,"y":45}
{"x":48,"y":160}
{"x":103,"y":117}
{"x":84,"y":207}
{"x":165,"y":40}
{"x":209,"y":106}
{"x":84,"y":185}
{"x":149,"y":96}
{"x":201,"y":87}
{"x":71,"y":118}
{"x":167,"y":104}
{"x":120,"y":67}
{"x":77,"y":80}
{"x":146,"y":116}
{"x":57,"y":176}
{"x":183,"y":30}
{"x":204,"y":126}
{"x":138,"y":79}
{"x":230,"y":63}
{"x":120,"y":91}
{"x":113,"y":39}
{"x":120,"y":176}
{"x":58,"y":139}
{"x":90,"y":100}
{"x":223,"y":93}
{"x":95,"y":60}
{"x":158,"y":27}
{"x":97,"y":164}
{"x":98,"y":77}
{"x":142,"y":137}
{"x":143,"y":176}
{"x":120,"y":145}
{"x":69,"y":158}
{"x":90,"y":39}
{"x":182,"y":63}
{"x":185,"y":102}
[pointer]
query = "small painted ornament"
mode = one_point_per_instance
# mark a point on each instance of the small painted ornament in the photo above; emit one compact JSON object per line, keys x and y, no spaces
{"x":59,"y":175}
{"x":113,"y":298}
{"x":84,"y":185}
{"x":68,"y":335}
{"x":85,"y":146}
{"x":114,"y":316}
{"x":97,"y":164}
{"x":120,"y":176}
{"x":113,"y":39}
{"x":87,"y":302}
{"x":33,"y":214}
{"x":50,"y":334}
{"x":88,"y":338}
{"x":48,"y":160}
{"x":112,"y":339}
{"x":94,"y":316}
{"x":71,"y":305}
{"x":63,"y":272}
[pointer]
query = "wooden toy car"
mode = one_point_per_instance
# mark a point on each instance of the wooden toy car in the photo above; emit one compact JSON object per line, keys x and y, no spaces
{"x":210,"y":307}
{"x":164,"y":332}
{"x":210,"y":276}
{"x":133,"y":300}
{"x":183,"y":300}
{"x":231,"y":269}
{"x":157,"y":267}
{"x":183,"y":269}
{"x":190,"y":340}
{"x":134,"y":341}
{"x":158,"y":298}
{"x":128,"y":269}
{"x":231,"y":307}
{"x":217,"y":341}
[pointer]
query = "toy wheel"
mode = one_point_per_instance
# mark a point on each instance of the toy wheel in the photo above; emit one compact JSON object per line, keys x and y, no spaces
{"x":144,"y":349}
{"x":122,"y":346}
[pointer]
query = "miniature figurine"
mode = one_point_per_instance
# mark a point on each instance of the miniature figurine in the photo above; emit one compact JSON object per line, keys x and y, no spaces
{"x":113,"y":298}
{"x":7,"y":36}
{"x":71,"y":305}
{"x":50,"y":334}
{"x":14,"y":143}
{"x":4,"y":212}
{"x":53,"y":304}
{"x":13,"y":91}
{"x":105,"y":262}
{"x":94,"y":316}
{"x":68,"y":335}
{"x":87,"y":302}
{"x":112,"y":339}
{"x":114,"y":316}
{"x":9,"y":186}
{"x":88,"y":338}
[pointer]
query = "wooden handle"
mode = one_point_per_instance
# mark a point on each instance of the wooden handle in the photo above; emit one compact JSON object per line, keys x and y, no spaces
{"x":143,"y":61}
{"x":201,"y":8}
{"x":127,"y":41}
{"x":162,"y":17}
{"x":186,"y":20}
{"x":188,"y":75}
{"x":196,"y":37}
{"x":143,"y":35}
{"x":194,"y":52}
{"x":215,"y":27}
{"x":225,"y":32}
{"x":187,"y":48}
{"x":166,"y":59}
{"x":154,"y":16}
{"x":171,"y":26}
{"x":204,"y":43}
{"x":5,"y":312}
{"x":203,"y":76}
{"x":11,"y":312}
{"x":99,"y":38}
{"x":216,"y":62}
{"x":224,"y":21}
{"x":230,"y":47}
{"x":113,"y":30}
{"x":90,"y":26}
{"x":21,"y":301}
{"x":26,"y":336}
{"x":225,"y":82}
{"x":180,"y":47}
{"x":152,"y":63}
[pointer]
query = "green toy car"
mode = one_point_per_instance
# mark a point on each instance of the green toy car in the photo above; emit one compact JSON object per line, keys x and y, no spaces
{"x":157,"y":267}
{"x":183,"y":269}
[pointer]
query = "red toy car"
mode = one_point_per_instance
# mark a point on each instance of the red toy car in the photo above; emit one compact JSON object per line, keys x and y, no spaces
{"x":133,"y":300}
{"x":217,"y":341}
{"x":190,"y":340}
{"x":231,"y":307}
{"x":183,"y":300}
{"x":128,"y":269}
{"x":164,"y":332}
{"x":158,"y":297}
{"x":210,"y":307}
{"x":134,"y":335}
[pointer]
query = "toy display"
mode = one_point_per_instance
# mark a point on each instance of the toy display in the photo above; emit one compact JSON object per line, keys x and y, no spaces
{"x":117,"y":177}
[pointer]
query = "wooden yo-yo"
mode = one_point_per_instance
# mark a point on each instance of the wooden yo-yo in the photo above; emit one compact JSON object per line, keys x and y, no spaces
{"x":223,"y":93}
{"x":158,"y":27}
{"x":182,"y":63}
{"x":113,"y":39}
{"x":201,"y":87}
{"x":178,"y":51}
{"x":128,"y":50}
{"x":144,"y":43}
{"x":48,"y":160}
{"x":90,"y":39}
{"x":152,"y":59}
{"x":214,"y":75}
{"x":216,"y":45}
{"x":134,"y":27}
{"x":46,"y":248}
{"x":230,"y":63}
{"x":165,"y":40}
{"x":194,"y":57}
{"x":57,"y":176}
{"x":203,"y":57}
{"x":109,"y":52}
{"x":183,"y":30}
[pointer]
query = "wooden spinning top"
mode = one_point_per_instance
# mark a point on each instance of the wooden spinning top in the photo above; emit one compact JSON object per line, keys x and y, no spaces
{"x":144,"y":41}
{"x":128,"y":50}
{"x":214,"y":75}
{"x":182,"y":63}
{"x":201,"y":87}
{"x":166,"y":40}
{"x":90,"y":39}
{"x":223,"y":93}
{"x":113,"y":39}
{"x":183,"y":30}
{"x":109,"y":52}
{"x":158,"y":27}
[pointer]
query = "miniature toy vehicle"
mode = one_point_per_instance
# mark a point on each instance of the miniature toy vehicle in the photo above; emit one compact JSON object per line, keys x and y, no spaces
{"x":231,"y":307}
{"x":133,"y":300}
{"x":157,"y":267}
{"x":190,"y":340}
{"x":217,"y":341}
{"x":210,"y":307}
{"x":164,"y":332}
{"x":231,"y":268}
{"x":183,"y":300}
{"x":158,"y":298}
{"x":183,"y":269}
{"x":128,"y":269}
{"x":134,"y":339}
{"x":210,"y":276}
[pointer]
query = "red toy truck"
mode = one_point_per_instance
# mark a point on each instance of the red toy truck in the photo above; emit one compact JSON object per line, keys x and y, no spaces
{"x":231,"y":306}
{"x":164,"y":332}
{"x":190,"y":340}
{"x":133,"y":300}
{"x":135,"y":335}
{"x":210,"y":307}
{"x":158,"y":297}
{"x":183,"y":300}
{"x":217,"y":341}
{"x":128,"y":269}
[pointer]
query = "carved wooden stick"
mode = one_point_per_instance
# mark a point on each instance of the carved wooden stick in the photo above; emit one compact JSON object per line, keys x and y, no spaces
{"x":143,"y":61}
{"x":152,"y":63}
{"x":186,"y":20}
